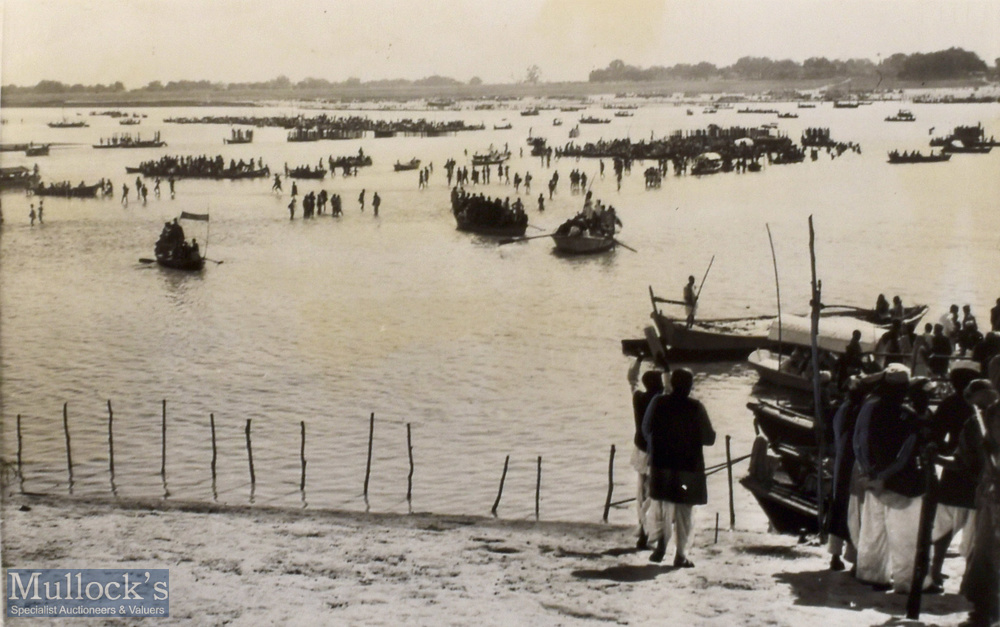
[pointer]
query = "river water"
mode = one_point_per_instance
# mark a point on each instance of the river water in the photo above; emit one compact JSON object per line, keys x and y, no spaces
{"x":485,"y":350}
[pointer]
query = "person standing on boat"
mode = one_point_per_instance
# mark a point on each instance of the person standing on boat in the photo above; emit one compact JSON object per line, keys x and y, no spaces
{"x":690,"y":301}
{"x":652,"y":382}
{"x":676,"y":427}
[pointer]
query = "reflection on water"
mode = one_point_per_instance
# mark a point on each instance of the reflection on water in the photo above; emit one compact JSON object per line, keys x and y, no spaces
{"x":486,"y":350}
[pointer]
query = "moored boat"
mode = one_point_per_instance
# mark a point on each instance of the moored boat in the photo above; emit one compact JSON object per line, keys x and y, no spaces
{"x":65,"y":190}
{"x":902,"y":116}
{"x":412,"y":164}
{"x":306,"y":172}
{"x":583,"y":244}
{"x":917,"y":157}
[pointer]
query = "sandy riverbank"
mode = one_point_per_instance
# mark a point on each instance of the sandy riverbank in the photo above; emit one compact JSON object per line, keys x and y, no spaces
{"x":259,"y":566}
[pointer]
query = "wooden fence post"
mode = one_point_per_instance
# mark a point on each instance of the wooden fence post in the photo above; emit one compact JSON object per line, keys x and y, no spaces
{"x":538,"y":487}
{"x":368,"y":465}
{"x":69,"y":453}
{"x":503,"y":478}
{"x":111,"y":441}
{"x":20,"y":472}
{"x":302,"y":455}
{"x":253,"y":478}
{"x":211,"y":422}
{"x":409,"y":477}
{"x":163,"y":441}
{"x":611,"y":483}
{"x":729,"y":471}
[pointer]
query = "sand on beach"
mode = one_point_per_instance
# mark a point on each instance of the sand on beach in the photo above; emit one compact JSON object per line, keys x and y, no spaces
{"x":269,"y":566}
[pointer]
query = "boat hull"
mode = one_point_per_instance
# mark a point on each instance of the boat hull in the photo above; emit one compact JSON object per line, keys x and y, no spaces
{"x":186,"y":265}
{"x":767,"y":365}
{"x":703,"y":342}
{"x":583,"y":244}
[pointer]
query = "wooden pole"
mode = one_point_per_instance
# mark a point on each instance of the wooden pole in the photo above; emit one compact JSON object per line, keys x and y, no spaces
{"x":409,"y":477}
{"x":538,"y":487}
{"x":928,"y":509}
{"x":253,"y":478}
{"x":819,"y":417}
{"x":368,"y":465}
{"x":20,"y":472}
{"x":716,"y":527}
{"x":69,"y":454}
{"x":503,"y":477}
{"x":611,"y":483}
{"x":163,"y":441}
{"x":111,"y":440}
{"x":302,"y":455}
{"x":777,"y":288}
{"x":729,"y":472}
{"x":211,"y":422}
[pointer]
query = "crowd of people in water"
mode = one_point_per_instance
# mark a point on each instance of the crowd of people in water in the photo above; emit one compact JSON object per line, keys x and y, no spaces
{"x":202,"y":166}
{"x":479,"y":212}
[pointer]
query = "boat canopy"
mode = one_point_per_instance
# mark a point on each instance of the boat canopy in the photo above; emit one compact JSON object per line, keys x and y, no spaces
{"x":834,"y":332}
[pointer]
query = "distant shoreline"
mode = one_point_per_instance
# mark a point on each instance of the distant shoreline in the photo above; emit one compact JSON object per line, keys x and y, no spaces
{"x":374,"y":92}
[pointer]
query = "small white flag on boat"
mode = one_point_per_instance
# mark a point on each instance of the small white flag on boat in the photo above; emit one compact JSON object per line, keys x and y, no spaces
{"x":194,"y":216}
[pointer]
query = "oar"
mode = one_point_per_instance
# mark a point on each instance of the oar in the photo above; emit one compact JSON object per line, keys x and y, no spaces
{"x":698,"y":295}
{"x":624,"y":245}
{"x":214,"y":261}
{"x":537,"y":228}
{"x":511,"y":240}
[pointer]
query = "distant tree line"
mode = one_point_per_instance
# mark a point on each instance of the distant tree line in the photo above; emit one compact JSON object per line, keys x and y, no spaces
{"x":279,"y":83}
{"x":944,"y":64}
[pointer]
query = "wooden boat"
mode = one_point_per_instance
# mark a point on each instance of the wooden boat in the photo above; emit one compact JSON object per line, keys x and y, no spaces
{"x":531,"y":111}
{"x":588,"y":119}
{"x":571,"y":109}
{"x":623,"y":114}
{"x":512,"y":229}
{"x":502,"y":127}
{"x":707,"y":163}
{"x":493,"y":157}
{"x":557,"y":122}
{"x":902,"y":116}
{"x":783,"y":425}
{"x":68,"y":124}
{"x":583,"y":244}
{"x":956,"y":145}
{"x":18,"y":177}
{"x":129,"y":121}
{"x":182,"y":257}
{"x":806,"y":105}
{"x":41,"y":150}
{"x":412,"y":164}
{"x":129,"y":142}
{"x":305,"y":172}
{"x":840,"y":104}
{"x":68,"y":191}
{"x":916,"y":157}
{"x":788,"y":116}
{"x":788,"y":508}
{"x":224,"y":175}
{"x":792,"y":371}
{"x":384,"y":133}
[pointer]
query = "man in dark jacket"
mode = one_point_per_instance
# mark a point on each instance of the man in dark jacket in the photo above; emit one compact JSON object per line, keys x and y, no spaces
{"x":652,"y":381}
{"x":676,"y":427}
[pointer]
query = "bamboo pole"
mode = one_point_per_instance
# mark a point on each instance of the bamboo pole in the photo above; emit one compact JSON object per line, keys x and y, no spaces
{"x":69,"y":453}
{"x":729,"y":472}
{"x":777,"y":287}
{"x":503,"y":478}
{"x":611,"y":483}
{"x":253,"y":478}
{"x":163,"y":441}
{"x":302,"y":455}
{"x":538,"y":487}
{"x":409,"y":477}
{"x":368,"y":464}
{"x":716,"y":527}
{"x":819,"y":417}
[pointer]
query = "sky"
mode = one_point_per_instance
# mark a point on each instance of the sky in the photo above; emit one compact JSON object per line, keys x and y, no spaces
{"x":138,"y":41}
